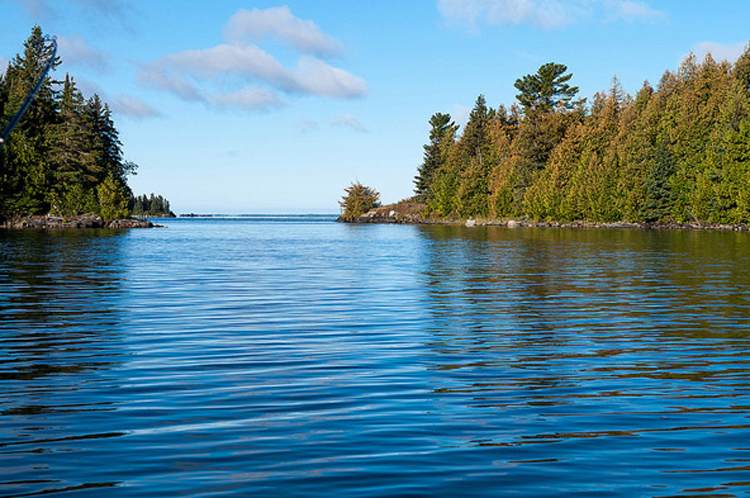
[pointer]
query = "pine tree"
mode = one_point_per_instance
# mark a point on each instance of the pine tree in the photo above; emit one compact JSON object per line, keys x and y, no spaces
{"x":547,"y":89}
{"x":24,"y":169}
{"x":659,"y":194}
{"x":442,"y":135}
{"x":73,"y":162}
{"x":106,"y":141}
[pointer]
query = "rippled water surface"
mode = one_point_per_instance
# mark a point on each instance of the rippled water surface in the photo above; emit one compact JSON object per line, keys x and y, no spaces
{"x":298,"y":357}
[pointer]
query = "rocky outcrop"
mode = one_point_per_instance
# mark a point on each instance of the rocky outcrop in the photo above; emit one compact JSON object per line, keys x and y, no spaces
{"x":50,"y":222}
{"x":387,"y":215}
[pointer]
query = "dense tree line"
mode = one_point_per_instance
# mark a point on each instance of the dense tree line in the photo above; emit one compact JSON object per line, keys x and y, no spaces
{"x":65,"y":156}
{"x":677,"y":152}
{"x":153,"y":205}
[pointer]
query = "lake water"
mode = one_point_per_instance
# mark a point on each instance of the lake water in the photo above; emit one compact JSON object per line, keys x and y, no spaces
{"x":293,"y":356}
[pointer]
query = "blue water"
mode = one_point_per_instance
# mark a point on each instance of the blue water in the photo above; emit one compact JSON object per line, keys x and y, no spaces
{"x":293,"y":356}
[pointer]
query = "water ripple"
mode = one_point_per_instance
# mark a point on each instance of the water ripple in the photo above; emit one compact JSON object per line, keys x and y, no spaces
{"x":296,"y":357}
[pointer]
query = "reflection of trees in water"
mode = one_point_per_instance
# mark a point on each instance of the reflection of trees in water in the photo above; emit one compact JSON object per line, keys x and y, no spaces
{"x":547,"y":280}
{"x":559,"y":337}
{"x":59,"y":295}
{"x":60,"y":321}
{"x":555,"y":302}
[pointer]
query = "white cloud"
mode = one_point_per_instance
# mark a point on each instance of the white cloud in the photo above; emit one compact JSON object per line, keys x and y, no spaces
{"x":133,"y":107}
{"x":122,"y":104}
{"x":178,"y":73}
{"x":348,"y":121}
{"x":74,"y":50}
{"x":544,"y":14}
{"x":249,"y":62}
{"x":253,"y":99}
{"x":170,"y":82}
{"x":280,"y":24}
{"x":243,"y":75}
{"x":315,"y":77}
{"x":719,"y":51}
{"x":634,"y":11}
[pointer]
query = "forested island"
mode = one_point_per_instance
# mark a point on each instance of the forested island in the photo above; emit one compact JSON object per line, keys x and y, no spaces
{"x":64,"y":159}
{"x":676,"y":153}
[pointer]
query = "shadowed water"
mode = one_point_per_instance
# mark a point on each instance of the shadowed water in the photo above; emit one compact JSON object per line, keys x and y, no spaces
{"x":292,"y":356}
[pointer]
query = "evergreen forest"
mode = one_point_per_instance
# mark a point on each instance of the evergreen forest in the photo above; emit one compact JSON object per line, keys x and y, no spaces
{"x":64,"y":157}
{"x":677,"y":152}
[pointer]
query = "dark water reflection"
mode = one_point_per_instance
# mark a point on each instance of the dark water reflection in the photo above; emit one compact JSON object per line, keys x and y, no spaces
{"x":297,"y":357}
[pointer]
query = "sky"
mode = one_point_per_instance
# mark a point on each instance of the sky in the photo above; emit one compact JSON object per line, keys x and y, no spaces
{"x":240,"y":106}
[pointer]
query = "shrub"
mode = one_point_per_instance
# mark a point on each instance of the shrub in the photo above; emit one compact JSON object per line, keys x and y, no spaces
{"x":358,"y":200}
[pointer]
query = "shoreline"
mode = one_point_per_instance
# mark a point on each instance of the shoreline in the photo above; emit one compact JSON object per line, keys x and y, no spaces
{"x":88,"y":221}
{"x":390,"y":215}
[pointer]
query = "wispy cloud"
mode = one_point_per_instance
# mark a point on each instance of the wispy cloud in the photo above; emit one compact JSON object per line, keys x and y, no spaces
{"x":545,"y":14}
{"x":160,"y":78}
{"x":74,"y":50}
{"x":719,"y":51}
{"x":633,"y":11}
{"x":177,"y":72}
{"x":89,"y":88}
{"x":252,"y":99}
{"x":280,"y":24}
{"x":122,"y":104}
{"x":237,"y":74}
{"x":113,"y":9}
{"x":38,"y":9}
{"x":348,"y":121}
{"x":133,"y":107}
{"x":118,"y":11}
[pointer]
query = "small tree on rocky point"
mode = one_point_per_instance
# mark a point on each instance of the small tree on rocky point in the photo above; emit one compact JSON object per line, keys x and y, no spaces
{"x":358,"y":200}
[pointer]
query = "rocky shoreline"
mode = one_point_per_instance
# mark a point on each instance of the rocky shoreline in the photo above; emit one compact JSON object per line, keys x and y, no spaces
{"x":50,"y":222}
{"x":394,"y":216}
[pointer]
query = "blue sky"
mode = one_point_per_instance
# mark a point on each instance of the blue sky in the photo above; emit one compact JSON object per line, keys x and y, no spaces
{"x":239,"y":106}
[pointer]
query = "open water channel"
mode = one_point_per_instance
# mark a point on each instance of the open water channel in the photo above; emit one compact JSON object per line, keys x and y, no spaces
{"x":293,"y":356}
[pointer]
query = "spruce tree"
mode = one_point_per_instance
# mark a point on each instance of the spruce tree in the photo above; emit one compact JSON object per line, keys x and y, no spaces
{"x":442,"y":135}
{"x":24,"y":162}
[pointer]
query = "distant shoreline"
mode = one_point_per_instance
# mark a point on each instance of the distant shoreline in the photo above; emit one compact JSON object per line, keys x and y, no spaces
{"x":396,"y":214}
{"x":50,"y":222}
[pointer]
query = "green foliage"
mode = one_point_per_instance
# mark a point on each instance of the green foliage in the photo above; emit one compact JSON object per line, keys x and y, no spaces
{"x":546,"y":89}
{"x":442,"y":136}
{"x":154,"y":205}
{"x":113,"y":199}
{"x":75,"y":200}
{"x":679,"y":152}
{"x":65,"y":155}
{"x":358,"y":200}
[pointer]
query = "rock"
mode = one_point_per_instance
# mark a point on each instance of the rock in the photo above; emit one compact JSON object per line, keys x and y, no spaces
{"x":130,"y":223}
{"x":512,"y":224}
{"x":51,"y":222}
{"x":392,"y":214}
{"x":471,"y":222}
